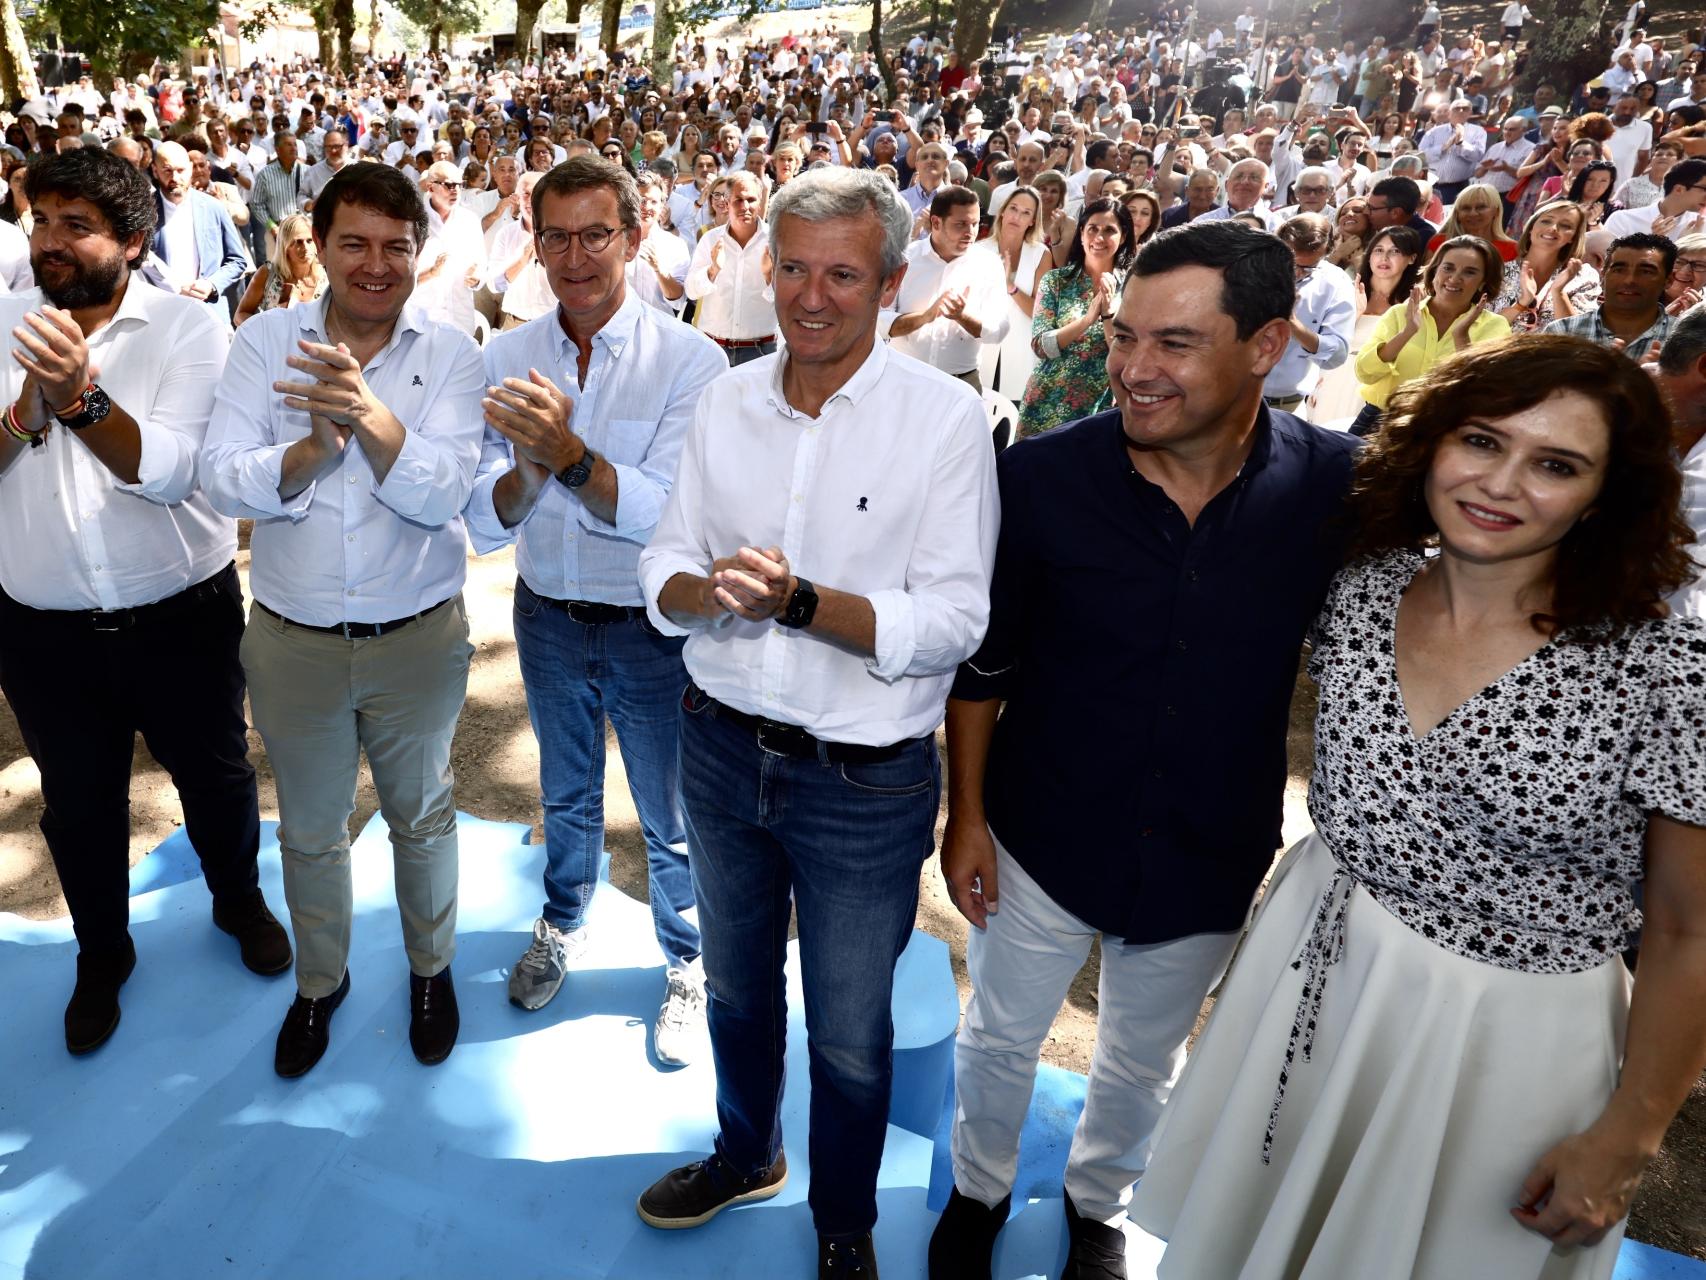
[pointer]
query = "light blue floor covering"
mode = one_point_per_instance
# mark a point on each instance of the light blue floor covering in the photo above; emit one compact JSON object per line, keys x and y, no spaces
{"x":175,"y":1152}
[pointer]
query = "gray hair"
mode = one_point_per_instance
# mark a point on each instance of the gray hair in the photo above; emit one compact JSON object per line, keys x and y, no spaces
{"x":1687,"y":342}
{"x":839,"y":192}
{"x":1408,"y":162}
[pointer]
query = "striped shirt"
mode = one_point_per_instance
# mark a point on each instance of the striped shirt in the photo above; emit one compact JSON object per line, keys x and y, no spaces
{"x":277,"y":194}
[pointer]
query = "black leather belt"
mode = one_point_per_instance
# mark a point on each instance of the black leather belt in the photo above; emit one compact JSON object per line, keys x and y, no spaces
{"x":356,"y":630}
{"x":142,"y":614}
{"x":591,"y":613}
{"x":736,"y":344}
{"x":790,"y":740}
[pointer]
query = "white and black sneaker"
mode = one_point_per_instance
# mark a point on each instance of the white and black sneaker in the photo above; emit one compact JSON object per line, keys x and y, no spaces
{"x":540,"y":971}
{"x":680,"y":1029}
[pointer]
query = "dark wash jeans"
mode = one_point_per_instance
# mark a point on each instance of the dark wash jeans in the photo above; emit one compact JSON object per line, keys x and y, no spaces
{"x":845,"y":843}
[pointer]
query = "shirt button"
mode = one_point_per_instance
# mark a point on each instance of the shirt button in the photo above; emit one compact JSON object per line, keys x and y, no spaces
{"x":798,"y":499}
{"x":1171,"y":711}
{"x":1158,"y":775}
{"x":1181,"y":646}
{"x":1191,"y":575}
{"x":352,"y":479}
{"x":1147,"y":832}
{"x":350,"y":538}
{"x":350,"y":592}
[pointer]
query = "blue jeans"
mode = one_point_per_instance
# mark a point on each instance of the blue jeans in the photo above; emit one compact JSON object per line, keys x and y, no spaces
{"x":845,"y":843}
{"x":575,"y":675}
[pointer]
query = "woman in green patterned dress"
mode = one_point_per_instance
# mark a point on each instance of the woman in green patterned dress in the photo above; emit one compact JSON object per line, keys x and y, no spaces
{"x":1071,"y":376}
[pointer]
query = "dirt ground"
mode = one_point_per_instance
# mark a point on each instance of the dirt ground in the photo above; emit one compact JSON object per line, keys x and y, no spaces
{"x":496,"y":763}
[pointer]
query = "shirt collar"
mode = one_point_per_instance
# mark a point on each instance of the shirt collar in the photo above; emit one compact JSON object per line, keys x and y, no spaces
{"x":312,"y":319}
{"x":613,"y":336}
{"x":864,"y":379}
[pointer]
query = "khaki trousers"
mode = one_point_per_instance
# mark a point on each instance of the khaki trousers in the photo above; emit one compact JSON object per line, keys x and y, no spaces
{"x":319,"y":701}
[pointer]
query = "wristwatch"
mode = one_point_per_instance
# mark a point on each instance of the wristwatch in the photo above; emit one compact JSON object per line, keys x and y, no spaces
{"x":578,"y":473}
{"x":797,"y":613}
{"x":95,"y":406}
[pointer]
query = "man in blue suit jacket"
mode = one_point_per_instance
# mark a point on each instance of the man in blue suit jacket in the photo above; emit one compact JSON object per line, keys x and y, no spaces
{"x":205,"y":257}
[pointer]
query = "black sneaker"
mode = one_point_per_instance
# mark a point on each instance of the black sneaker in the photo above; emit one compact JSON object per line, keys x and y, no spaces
{"x":260,"y":937}
{"x":1097,"y":1251}
{"x":695,"y":1193}
{"x":843,"y":1259}
{"x":92,"y":1014}
{"x":306,"y":1032}
{"x":963,"y":1245}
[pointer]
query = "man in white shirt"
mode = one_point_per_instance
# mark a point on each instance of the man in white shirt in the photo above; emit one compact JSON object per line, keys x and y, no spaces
{"x":588,"y":407}
{"x":1516,"y":13}
{"x":121,"y":606}
{"x":1623,"y":75}
{"x":449,"y":264}
{"x":349,"y":432}
{"x":1454,"y":149}
{"x":686,"y":212}
{"x":1631,"y":143}
{"x":1501,"y":161}
{"x":1028,"y":163}
{"x":951,"y":300}
{"x":1677,"y":213}
{"x":1245,"y":182}
{"x":1682,"y":377}
{"x":513,"y":272}
{"x":730,"y":277}
{"x":1322,"y":321}
{"x":335,"y":154}
{"x":658,"y":272}
{"x":807,"y":745}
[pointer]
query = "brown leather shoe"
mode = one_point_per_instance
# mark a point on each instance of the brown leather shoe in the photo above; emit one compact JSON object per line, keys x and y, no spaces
{"x":93,"y":1013}
{"x":264,"y":944}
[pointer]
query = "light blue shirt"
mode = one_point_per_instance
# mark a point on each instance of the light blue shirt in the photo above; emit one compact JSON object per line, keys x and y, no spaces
{"x":350,"y":548}
{"x":643,"y":381}
{"x":1326,"y":305}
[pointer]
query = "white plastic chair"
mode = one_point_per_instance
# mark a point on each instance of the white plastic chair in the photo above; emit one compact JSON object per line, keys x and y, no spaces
{"x":1003,"y":418}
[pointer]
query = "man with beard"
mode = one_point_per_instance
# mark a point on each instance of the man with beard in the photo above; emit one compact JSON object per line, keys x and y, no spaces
{"x":121,"y":607}
{"x":198,"y":245}
{"x":349,"y":430}
{"x":334,"y":155}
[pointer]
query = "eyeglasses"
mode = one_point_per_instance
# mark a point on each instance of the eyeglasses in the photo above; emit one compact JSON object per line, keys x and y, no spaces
{"x":555,"y":240}
{"x":446,"y":182}
{"x":1690,"y":266}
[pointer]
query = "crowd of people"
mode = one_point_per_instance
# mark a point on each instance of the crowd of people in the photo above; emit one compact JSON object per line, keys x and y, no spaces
{"x":1363,"y":347}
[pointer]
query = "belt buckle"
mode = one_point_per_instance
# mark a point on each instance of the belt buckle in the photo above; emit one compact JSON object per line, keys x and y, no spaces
{"x":109,"y":619}
{"x":776,"y":731}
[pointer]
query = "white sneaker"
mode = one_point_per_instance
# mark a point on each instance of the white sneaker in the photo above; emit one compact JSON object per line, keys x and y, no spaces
{"x":541,"y":970}
{"x":680,"y":1028}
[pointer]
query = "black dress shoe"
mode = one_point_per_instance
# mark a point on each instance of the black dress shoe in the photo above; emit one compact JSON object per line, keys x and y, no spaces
{"x":92,"y":1015}
{"x":433,"y":1019}
{"x":963,"y":1245}
{"x":695,"y":1193}
{"x":264,"y":944}
{"x":840,"y":1259}
{"x":1097,"y":1251}
{"x":306,"y":1032}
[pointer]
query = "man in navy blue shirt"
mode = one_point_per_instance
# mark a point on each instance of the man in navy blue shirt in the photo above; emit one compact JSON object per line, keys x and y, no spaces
{"x":1157,"y":570}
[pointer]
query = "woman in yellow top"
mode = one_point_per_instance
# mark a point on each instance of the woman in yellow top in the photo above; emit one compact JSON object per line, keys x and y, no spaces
{"x":1449,"y":312}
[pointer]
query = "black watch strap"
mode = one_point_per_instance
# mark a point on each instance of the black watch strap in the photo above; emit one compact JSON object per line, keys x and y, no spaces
{"x":801,"y":607}
{"x":576,"y":474}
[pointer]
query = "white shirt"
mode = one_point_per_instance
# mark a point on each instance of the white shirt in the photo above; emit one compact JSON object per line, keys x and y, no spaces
{"x":643,"y":380}
{"x":349,"y":548}
{"x":673,"y":258}
{"x":1515,"y":154}
{"x":1516,"y":13}
{"x":1625,"y":147}
{"x":447,"y":297}
{"x":181,"y":262}
{"x":72,"y":534}
{"x":738,"y":304}
{"x":16,"y":274}
{"x":529,"y":294}
{"x":944,"y":343}
{"x":1690,"y":600}
{"x":888,"y":493}
{"x":1454,"y":162}
{"x":1628,"y":222}
{"x":1326,"y":305}
{"x":319,"y":174}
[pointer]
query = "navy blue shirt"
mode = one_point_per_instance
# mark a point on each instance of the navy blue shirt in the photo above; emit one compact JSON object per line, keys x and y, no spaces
{"x":1138,"y":769}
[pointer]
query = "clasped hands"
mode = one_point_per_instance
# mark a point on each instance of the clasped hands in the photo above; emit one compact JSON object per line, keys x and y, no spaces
{"x":751,"y":584}
{"x":533,"y":414}
{"x":55,"y":359}
{"x":338,"y":398}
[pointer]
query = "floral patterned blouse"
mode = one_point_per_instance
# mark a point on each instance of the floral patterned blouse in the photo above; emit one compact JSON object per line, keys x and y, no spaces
{"x":1511,"y":833}
{"x":1071,"y":385}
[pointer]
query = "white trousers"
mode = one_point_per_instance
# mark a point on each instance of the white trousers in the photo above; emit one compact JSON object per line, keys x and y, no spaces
{"x":1021,"y":967}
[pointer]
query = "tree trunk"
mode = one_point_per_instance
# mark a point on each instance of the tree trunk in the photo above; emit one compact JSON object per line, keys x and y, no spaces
{"x":17,"y":68}
{"x":974,"y":23}
{"x":526,"y":20}
{"x":435,"y":37}
{"x":610,"y":26}
{"x":666,"y":22}
{"x":373,"y":29}
{"x":876,"y":45}
{"x":1573,"y":43}
{"x":324,"y":34}
{"x":343,"y":20}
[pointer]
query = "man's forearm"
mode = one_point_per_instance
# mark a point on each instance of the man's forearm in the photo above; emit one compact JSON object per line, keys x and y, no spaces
{"x":909,"y":322}
{"x":303,"y":463}
{"x":971,"y":727}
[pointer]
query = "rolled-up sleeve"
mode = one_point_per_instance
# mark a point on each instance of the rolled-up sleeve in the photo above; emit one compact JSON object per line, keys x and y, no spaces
{"x":989,"y":672}
{"x":433,"y":475}
{"x":643,"y":489}
{"x":1370,"y":367}
{"x":699,"y":282}
{"x":486,"y":531}
{"x":1334,"y":330}
{"x":938,"y":620}
{"x":241,"y":458}
{"x":174,"y":426}
{"x":678,"y":545}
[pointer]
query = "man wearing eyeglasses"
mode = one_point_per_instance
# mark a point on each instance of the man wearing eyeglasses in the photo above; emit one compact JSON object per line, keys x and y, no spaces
{"x":1678,"y":212}
{"x":407,"y":143}
{"x":1322,"y":319}
{"x":448,"y":267}
{"x":586,"y":410}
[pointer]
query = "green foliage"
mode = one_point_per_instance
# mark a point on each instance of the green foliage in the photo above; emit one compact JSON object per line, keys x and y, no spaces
{"x":452,"y":17}
{"x":112,"y":30}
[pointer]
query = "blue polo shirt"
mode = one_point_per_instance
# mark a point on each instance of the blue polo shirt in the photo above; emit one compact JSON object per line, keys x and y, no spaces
{"x":1138,"y":768}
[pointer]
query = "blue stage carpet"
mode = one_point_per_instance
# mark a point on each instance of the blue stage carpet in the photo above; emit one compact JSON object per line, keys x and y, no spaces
{"x":175,"y":1152}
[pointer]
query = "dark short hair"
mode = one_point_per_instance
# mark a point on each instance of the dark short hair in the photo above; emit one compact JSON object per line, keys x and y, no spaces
{"x":378,"y":187}
{"x":1400,"y":193}
{"x":1099,"y":150}
{"x":950,"y":198}
{"x":1257,"y":272}
{"x":1645,"y":242}
{"x":113,"y":185}
{"x":1684,"y":173}
{"x":1614,"y":569}
{"x":590,"y":173}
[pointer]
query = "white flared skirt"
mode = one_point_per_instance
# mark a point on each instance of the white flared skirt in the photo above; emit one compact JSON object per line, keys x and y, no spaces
{"x":1434,"y":1085}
